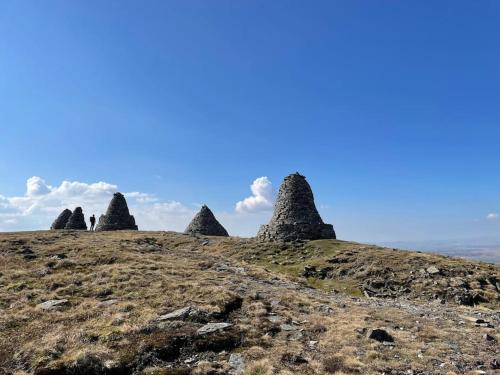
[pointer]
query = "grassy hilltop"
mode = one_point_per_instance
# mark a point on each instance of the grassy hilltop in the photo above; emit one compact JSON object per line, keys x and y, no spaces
{"x":83,"y":303}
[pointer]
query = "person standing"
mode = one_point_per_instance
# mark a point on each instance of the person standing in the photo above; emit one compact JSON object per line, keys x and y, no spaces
{"x":92,"y":222}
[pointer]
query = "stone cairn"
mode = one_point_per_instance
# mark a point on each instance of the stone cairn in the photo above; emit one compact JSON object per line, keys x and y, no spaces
{"x":76,"y":220}
{"x":61,"y":220}
{"x":206,"y":224}
{"x":117,"y":216}
{"x":295,"y":215}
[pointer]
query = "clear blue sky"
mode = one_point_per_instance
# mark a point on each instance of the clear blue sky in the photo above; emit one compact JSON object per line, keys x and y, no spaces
{"x":391,"y":109}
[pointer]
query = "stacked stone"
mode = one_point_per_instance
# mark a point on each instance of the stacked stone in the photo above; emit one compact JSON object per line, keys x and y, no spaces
{"x":295,"y":215}
{"x":206,"y":224}
{"x":76,"y":220}
{"x":61,"y":220}
{"x":117,"y":216}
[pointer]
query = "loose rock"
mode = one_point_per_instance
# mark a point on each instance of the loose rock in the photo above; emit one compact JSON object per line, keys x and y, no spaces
{"x":237,"y":364}
{"x":288,"y":327}
{"x":380,"y":335}
{"x":212,"y":327}
{"x":53,"y":303}
{"x":433,"y":270}
{"x":179,"y":314}
{"x":489,"y":337}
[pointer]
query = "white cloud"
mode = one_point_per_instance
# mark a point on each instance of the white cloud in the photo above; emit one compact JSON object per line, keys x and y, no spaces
{"x":169,"y":215}
{"x":36,"y":186}
{"x":41,"y":203}
{"x":493,"y":216}
{"x":141,"y":197}
{"x":262,"y":197}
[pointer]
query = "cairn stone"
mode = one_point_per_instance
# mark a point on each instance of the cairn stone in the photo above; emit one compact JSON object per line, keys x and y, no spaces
{"x":62,"y":219}
{"x":205,"y":223}
{"x":76,"y":220}
{"x":295,"y":215}
{"x":117,"y":216}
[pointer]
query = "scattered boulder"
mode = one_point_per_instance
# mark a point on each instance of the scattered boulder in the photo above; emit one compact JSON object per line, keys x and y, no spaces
{"x":117,"y":216}
{"x":62,"y":220}
{"x":312,"y":344}
{"x":312,"y":271}
{"x":52,"y":304}
{"x":489,"y":337}
{"x":237,"y":364}
{"x":288,"y":327}
{"x":466,"y":298}
{"x":179,"y":314}
{"x":212,"y":327}
{"x":433,"y":270}
{"x":495,"y":364}
{"x":295,"y":215}
{"x":206,"y":224}
{"x":380,"y":335}
{"x":483,"y":323}
{"x":274,"y":318}
{"x":76,"y":221}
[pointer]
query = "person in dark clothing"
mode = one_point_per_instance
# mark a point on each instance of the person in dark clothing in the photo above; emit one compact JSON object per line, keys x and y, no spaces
{"x":92,"y":222}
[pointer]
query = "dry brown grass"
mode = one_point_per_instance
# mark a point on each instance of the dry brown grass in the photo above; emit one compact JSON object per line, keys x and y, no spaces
{"x":118,"y":284}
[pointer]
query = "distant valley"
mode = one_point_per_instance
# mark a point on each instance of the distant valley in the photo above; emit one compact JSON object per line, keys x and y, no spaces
{"x":486,"y":250}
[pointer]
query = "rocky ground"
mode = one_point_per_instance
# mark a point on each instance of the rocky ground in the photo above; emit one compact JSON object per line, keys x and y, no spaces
{"x":166,"y":303}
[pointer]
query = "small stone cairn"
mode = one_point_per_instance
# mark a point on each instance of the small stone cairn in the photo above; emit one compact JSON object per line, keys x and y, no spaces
{"x":295,"y":215}
{"x":206,"y":224}
{"x":62,"y":219}
{"x":117,"y":216}
{"x":76,"y":221}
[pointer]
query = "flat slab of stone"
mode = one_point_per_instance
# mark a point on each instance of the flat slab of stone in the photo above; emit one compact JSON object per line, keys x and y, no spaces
{"x":289,"y":327}
{"x":212,"y":327}
{"x":274,"y":319}
{"x":179,"y":314}
{"x":53,"y":303}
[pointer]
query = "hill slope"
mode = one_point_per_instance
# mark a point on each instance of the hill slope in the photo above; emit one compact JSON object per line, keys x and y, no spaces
{"x":79,"y":303}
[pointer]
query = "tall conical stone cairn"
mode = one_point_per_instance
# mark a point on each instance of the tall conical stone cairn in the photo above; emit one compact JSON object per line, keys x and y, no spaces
{"x":295,"y":214}
{"x":205,"y":223}
{"x":76,"y":220}
{"x":117,"y":216}
{"x":61,"y":220}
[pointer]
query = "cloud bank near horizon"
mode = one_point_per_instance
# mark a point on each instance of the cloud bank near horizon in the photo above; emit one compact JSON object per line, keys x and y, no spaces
{"x":41,"y":204}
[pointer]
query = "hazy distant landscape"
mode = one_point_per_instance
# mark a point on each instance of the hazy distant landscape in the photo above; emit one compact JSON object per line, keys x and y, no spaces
{"x":486,"y":250}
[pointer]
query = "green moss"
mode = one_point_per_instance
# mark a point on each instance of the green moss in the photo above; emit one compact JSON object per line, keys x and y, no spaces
{"x":289,"y":260}
{"x":344,"y":286}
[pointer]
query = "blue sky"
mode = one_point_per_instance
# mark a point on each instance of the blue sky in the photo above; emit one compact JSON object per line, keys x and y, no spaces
{"x":391,"y":110}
